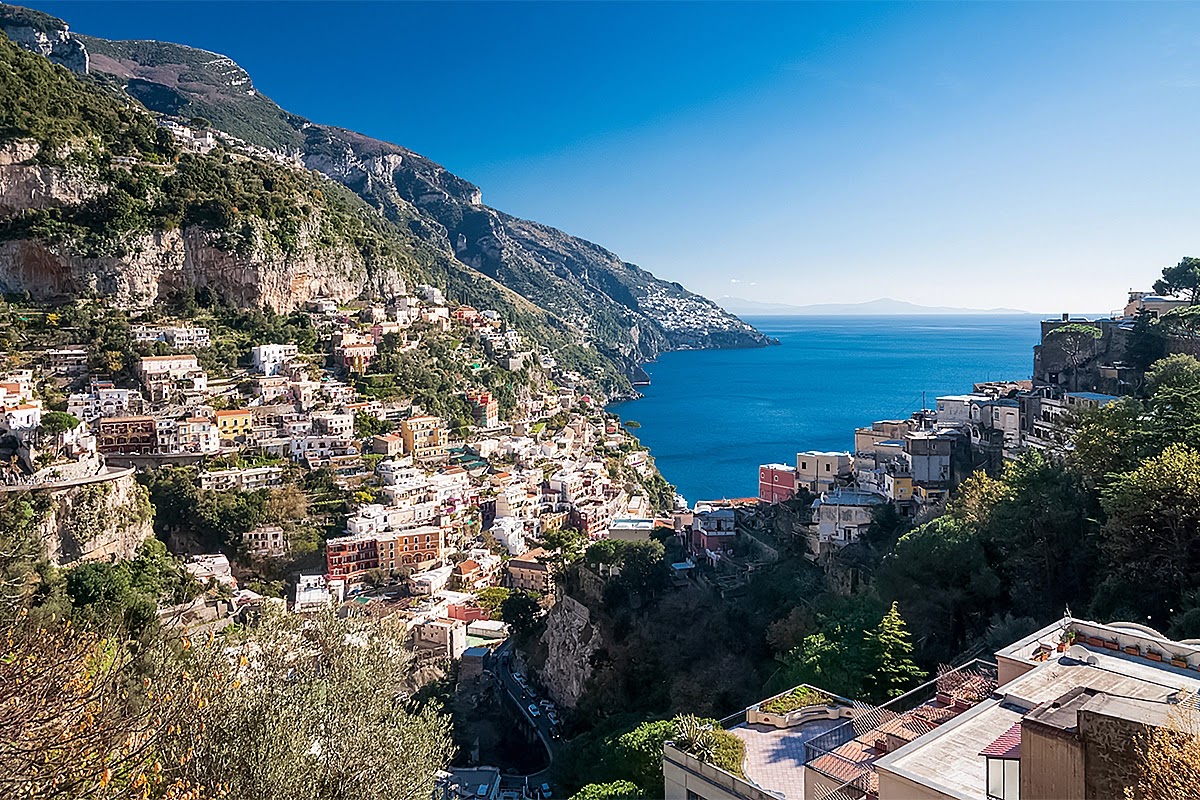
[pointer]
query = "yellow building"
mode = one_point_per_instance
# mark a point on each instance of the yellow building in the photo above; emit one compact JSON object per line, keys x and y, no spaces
{"x":424,"y":438}
{"x":233,"y":427}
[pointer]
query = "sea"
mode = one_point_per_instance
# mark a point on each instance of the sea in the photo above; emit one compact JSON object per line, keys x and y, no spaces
{"x":710,"y":417}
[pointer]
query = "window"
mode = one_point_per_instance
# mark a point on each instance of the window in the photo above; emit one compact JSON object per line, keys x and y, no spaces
{"x":1003,"y":779}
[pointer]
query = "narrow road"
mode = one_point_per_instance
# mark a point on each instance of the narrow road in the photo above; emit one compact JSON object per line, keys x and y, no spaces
{"x":522,"y":699}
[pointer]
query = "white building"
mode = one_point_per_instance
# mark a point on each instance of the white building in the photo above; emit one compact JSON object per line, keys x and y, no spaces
{"x":313,"y":593}
{"x":270,"y":359}
{"x":819,"y":470}
{"x":841,"y":516}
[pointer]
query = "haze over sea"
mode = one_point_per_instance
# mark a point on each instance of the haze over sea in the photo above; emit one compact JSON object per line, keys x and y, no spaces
{"x":710,"y":417}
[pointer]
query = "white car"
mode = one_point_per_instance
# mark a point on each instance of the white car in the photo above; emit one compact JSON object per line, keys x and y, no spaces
{"x":534,"y":710}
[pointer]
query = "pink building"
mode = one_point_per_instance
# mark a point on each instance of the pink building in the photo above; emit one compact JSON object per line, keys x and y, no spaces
{"x":776,"y":483}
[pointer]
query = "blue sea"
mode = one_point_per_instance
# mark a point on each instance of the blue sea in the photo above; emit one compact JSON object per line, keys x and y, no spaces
{"x":710,"y":417}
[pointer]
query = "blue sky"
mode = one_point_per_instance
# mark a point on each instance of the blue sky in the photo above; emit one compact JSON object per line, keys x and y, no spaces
{"x":1030,"y":155}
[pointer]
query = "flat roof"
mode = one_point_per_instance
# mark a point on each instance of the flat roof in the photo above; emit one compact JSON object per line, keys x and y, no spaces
{"x":775,"y":756}
{"x":948,"y":758}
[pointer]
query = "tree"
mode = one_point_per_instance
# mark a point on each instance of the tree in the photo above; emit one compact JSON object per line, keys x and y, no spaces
{"x":319,"y":703}
{"x":890,"y":652}
{"x":1182,"y":279}
{"x":1169,"y":766}
{"x":522,"y":612}
{"x":1175,"y":372}
{"x":1078,"y":343}
{"x":1146,"y":343}
{"x":616,"y":790}
{"x":640,"y":754}
{"x":1151,"y":540}
{"x":80,"y":717}
{"x":941,"y":575}
{"x":57,"y":422}
{"x":492,"y":598}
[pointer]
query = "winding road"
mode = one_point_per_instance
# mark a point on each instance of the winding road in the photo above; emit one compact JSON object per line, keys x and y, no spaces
{"x":521,"y":698}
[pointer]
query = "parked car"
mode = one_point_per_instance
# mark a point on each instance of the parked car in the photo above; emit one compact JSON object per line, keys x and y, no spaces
{"x":545,"y":791}
{"x":534,"y":710}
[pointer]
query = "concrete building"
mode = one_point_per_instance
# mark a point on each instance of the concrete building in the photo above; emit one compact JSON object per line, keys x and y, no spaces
{"x":530,"y":572}
{"x":266,"y":540}
{"x":818,"y":471}
{"x":127,"y":435}
{"x":387,"y":444}
{"x":1058,"y":716}
{"x":713,"y":533}
{"x":841,"y":516}
{"x":485,"y":409}
{"x":270,"y":359}
{"x":424,"y":438}
{"x":69,"y":361}
{"x":442,"y":638}
{"x":776,"y":483}
{"x":234,"y":427}
{"x":631,"y":530}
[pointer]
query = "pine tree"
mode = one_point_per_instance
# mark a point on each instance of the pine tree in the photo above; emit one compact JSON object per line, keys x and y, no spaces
{"x":889,"y":649}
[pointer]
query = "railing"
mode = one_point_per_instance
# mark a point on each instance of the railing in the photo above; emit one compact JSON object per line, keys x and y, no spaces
{"x":965,"y":686}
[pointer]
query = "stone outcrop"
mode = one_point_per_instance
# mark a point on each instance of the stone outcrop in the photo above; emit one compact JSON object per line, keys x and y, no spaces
{"x":46,"y":35}
{"x":24,"y":183}
{"x":101,"y":520}
{"x":251,"y":272}
{"x":570,"y":639}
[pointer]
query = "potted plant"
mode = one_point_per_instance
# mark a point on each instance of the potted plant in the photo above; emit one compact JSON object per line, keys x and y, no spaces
{"x":944,"y":698}
{"x":1066,"y":639}
{"x":1178,"y":662}
{"x":1132,"y":649}
{"x":1096,"y":641}
{"x":1112,"y":644}
{"x":1154,"y":655}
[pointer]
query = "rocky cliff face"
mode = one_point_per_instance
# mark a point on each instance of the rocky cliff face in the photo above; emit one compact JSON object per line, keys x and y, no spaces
{"x":24,"y":183}
{"x":164,"y":261}
{"x":45,"y":35}
{"x":100,"y":521}
{"x":570,"y":639}
{"x":154,"y":264}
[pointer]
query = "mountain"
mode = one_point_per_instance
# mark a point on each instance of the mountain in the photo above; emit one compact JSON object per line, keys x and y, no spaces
{"x":883,"y":306}
{"x":618,"y":309}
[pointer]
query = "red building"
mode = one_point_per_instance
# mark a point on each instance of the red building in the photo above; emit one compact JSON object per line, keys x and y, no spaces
{"x":467,"y":613}
{"x":350,"y":557}
{"x":776,"y":483}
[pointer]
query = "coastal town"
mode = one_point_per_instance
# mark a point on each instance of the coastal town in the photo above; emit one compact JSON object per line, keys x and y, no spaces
{"x":451,"y":519}
{"x":317,"y":480}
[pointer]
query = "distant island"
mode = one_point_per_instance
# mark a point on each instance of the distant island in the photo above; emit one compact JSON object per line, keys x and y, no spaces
{"x":884,"y":305}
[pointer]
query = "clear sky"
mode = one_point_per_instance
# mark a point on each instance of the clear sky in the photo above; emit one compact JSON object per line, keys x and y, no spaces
{"x":1030,"y":155}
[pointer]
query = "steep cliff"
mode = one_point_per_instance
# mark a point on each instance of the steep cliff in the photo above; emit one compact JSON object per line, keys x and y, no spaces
{"x":99,"y":521}
{"x":45,"y":35}
{"x":569,"y":640}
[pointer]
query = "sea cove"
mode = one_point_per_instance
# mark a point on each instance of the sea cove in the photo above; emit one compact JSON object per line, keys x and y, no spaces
{"x":711,"y":417}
